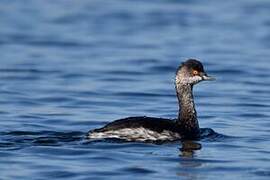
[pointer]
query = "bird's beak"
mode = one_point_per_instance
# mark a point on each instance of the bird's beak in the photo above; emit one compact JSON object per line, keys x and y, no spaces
{"x":205,"y":77}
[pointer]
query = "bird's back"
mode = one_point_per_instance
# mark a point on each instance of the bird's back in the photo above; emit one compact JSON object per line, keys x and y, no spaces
{"x":139,"y":129}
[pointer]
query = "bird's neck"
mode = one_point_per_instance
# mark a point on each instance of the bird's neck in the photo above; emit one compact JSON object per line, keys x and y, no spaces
{"x":187,"y":117}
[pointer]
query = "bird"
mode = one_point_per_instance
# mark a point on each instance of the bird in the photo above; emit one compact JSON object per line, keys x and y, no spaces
{"x":153,"y":129}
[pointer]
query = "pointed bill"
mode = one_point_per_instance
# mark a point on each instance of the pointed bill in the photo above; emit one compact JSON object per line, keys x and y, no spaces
{"x":208,"y":78}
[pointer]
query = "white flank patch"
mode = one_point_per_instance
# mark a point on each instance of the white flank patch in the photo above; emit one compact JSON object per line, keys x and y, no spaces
{"x":136,"y":134}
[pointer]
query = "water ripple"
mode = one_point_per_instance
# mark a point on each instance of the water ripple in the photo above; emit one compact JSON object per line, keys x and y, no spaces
{"x":70,"y":67}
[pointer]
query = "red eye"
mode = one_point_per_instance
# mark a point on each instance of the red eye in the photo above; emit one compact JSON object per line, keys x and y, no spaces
{"x":195,"y":72}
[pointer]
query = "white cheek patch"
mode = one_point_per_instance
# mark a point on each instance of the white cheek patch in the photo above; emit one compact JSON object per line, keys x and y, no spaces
{"x":195,"y":79}
{"x":188,"y":80}
{"x":136,"y":134}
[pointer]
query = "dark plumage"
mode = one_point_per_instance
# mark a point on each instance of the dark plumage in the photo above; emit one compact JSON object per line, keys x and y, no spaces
{"x":193,"y":64}
{"x":152,"y":123}
{"x":143,"y":128}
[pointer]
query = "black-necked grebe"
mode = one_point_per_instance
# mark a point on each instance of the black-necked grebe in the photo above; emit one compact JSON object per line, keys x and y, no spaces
{"x":143,"y":129}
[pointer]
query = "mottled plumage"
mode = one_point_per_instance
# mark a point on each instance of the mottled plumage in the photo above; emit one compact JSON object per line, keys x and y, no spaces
{"x":143,"y":128}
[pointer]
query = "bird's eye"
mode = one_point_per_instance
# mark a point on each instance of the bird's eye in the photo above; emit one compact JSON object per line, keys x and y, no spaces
{"x":195,"y":72}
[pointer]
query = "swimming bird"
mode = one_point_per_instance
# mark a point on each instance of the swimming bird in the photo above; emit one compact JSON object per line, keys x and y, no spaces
{"x":151,"y":129}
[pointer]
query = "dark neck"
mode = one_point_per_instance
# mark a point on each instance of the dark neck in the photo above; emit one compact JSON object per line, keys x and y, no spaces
{"x":187,"y":117}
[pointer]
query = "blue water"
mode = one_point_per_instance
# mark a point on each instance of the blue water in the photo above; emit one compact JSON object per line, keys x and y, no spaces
{"x":68,"y":67}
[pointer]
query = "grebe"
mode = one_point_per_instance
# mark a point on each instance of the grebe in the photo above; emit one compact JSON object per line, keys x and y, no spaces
{"x":145,"y":129}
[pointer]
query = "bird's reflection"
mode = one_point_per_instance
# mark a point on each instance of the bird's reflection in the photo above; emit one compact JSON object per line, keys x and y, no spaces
{"x":188,"y":148}
{"x":188,"y":161}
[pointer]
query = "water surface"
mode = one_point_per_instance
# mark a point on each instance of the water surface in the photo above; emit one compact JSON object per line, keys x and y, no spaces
{"x":68,"y":67}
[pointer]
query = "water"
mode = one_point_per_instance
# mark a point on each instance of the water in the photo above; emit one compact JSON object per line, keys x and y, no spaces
{"x":68,"y":67}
